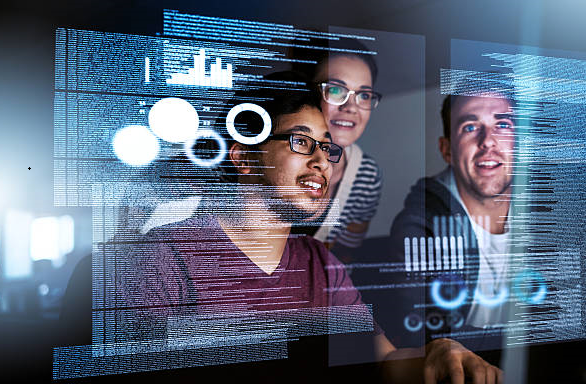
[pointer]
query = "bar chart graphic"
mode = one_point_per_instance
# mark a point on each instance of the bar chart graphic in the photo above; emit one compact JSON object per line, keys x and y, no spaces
{"x":218,"y":77}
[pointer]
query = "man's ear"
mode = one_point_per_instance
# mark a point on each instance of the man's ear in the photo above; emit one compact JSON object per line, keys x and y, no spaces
{"x":445,"y":149}
{"x":240,"y":158}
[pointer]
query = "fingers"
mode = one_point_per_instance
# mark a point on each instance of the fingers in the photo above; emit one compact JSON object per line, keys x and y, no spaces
{"x":476,"y":368}
{"x":499,"y":376}
{"x":429,"y":374}
{"x":457,"y":372}
{"x":490,"y":375}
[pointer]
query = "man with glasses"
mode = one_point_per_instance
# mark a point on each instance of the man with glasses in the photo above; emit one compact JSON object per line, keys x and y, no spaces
{"x":242,"y":259}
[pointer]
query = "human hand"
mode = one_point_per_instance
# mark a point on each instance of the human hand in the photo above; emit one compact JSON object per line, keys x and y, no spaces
{"x":445,"y":358}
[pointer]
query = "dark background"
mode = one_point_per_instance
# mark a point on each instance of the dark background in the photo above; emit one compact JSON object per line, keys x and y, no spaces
{"x":26,"y":126}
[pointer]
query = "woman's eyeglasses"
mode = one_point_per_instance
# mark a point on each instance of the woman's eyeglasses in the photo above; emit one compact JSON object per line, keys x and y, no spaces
{"x":337,"y":94}
{"x":306,"y":145}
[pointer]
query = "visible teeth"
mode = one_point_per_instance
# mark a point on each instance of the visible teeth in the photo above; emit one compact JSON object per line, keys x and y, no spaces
{"x":343,"y":123}
{"x":311,"y":184}
{"x":488,"y":163}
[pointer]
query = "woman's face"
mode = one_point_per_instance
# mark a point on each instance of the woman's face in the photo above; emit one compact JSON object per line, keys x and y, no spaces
{"x":346,"y":122}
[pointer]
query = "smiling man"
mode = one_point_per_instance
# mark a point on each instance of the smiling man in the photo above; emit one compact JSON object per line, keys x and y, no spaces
{"x":452,"y":235}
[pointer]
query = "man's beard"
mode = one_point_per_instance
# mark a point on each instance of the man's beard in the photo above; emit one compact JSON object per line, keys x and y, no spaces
{"x":495,"y":189}
{"x":288,"y":211}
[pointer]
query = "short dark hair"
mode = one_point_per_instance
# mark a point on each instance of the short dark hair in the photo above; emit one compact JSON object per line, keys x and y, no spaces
{"x":475,"y":86}
{"x":280,"y":93}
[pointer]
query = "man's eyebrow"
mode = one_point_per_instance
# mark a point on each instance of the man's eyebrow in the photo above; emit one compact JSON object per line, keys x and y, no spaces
{"x":306,"y":129}
{"x":463,"y":119}
{"x":299,"y":128}
{"x":499,"y":116}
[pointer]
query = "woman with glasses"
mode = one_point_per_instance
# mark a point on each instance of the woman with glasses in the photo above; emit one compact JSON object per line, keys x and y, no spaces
{"x":346,"y":82}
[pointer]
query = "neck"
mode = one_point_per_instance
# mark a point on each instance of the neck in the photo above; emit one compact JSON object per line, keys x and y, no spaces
{"x":257,"y":232}
{"x":489,"y":212}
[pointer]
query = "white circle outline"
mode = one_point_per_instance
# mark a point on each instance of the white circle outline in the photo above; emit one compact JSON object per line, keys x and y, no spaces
{"x":266,"y":130}
{"x":204,"y":133}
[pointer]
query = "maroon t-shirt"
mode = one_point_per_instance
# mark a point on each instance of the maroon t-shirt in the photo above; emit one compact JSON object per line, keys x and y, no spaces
{"x":194,"y":265}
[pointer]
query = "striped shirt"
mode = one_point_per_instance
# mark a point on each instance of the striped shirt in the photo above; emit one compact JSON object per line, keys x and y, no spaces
{"x":357,"y":196}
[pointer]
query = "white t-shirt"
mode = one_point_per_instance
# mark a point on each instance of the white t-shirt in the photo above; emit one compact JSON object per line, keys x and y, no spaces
{"x":487,"y":309}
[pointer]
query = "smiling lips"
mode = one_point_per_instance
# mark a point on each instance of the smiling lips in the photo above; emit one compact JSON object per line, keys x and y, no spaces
{"x":314,"y":185}
{"x":487,"y":165}
{"x":343,"y":124}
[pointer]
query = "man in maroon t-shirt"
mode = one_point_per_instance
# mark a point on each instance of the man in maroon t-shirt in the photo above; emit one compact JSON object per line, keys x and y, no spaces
{"x":243,"y":260}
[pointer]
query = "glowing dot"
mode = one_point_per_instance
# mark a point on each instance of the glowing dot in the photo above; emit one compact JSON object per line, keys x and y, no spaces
{"x":135,"y":145}
{"x":43,"y":289}
{"x":173,"y":120}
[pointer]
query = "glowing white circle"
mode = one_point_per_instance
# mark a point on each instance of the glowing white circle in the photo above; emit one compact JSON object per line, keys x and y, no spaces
{"x":266,"y":130}
{"x":201,"y":135}
{"x":135,"y":145}
{"x":173,"y":120}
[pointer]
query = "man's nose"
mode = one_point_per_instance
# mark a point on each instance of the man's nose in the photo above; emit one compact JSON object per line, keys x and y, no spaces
{"x":319,"y":159}
{"x":488,"y":137}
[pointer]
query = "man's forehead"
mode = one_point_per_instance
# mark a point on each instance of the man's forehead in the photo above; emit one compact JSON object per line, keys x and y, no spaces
{"x":485,"y":104}
{"x":308,"y":121}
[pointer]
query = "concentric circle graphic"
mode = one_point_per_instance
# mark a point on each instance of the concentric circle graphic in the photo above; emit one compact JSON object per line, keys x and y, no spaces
{"x":453,"y":282}
{"x":266,"y":131}
{"x":206,"y":134}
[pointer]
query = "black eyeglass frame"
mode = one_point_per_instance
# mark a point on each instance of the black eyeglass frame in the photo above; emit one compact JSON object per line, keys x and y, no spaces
{"x":322,"y":89}
{"x":315,"y":143}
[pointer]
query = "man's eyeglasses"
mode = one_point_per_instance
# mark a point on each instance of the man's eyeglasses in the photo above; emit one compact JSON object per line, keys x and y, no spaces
{"x":306,"y":145}
{"x":337,"y":94}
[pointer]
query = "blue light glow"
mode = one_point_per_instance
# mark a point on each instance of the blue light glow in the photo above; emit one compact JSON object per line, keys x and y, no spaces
{"x":524,"y":284}
{"x":448,"y":304}
{"x":135,"y":145}
{"x":491,"y":302}
{"x":429,"y":323}
{"x":174,"y":120}
{"x":412,"y":317}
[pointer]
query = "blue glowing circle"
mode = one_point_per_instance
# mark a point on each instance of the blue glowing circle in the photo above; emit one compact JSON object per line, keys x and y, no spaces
{"x":203,"y":134}
{"x":412,"y":317}
{"x":266,"y":130}
{"x":174,"y":120}
{"x":534,"y":279}
{"x":430,"y":324}
{"x":455,"y":320}
{"x":441,"y":301}
{"x":491,"y":301}
{"x":135,"y":145}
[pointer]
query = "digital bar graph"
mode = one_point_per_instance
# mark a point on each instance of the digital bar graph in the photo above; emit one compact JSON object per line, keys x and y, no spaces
{"x":196,"y":76}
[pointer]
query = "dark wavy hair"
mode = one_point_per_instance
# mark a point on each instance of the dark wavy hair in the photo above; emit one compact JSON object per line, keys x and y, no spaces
{"x":279,"y":93}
